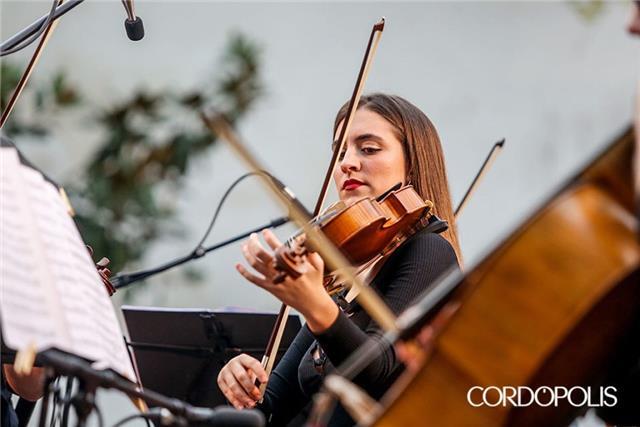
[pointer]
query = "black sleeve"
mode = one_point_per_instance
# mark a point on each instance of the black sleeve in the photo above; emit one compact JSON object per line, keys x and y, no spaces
{"x":283,"y":398}
{"x":414,"y":267}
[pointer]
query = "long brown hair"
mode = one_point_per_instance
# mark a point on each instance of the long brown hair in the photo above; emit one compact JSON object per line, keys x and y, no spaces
{"x":422,"y":150}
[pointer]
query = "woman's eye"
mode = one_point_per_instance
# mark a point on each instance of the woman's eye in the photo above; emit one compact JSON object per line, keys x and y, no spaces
{"x":369,"y":150}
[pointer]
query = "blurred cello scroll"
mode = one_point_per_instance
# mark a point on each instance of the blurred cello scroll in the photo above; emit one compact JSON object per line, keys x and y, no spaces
{"x":548,"y":307}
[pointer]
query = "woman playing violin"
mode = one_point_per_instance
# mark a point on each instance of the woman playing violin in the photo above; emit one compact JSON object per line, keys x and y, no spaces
{"x":390,"y":142}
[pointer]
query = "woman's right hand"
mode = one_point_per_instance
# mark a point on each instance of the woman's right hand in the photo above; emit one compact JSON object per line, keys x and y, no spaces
{"x":237,"y":381}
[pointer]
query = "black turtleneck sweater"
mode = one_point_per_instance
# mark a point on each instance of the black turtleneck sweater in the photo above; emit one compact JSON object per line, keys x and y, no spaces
{"x":409,"y":271}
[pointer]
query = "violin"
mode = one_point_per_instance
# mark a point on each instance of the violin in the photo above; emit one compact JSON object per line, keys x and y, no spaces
{"x":103,"y":272}
{"x":364,"y":232}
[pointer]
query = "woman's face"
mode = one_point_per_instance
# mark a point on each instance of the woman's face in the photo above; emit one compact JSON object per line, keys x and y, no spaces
{"x":373,"y":160}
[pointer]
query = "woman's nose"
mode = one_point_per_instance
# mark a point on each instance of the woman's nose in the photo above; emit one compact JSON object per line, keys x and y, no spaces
{"x":350,"y":161}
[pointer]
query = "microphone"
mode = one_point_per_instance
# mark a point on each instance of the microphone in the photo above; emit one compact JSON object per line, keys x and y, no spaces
{"x":225,"y":417}
{"x":133,"y":24}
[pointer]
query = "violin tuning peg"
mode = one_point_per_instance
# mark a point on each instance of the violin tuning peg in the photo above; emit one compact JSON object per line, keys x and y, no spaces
{"x":103,"y":262}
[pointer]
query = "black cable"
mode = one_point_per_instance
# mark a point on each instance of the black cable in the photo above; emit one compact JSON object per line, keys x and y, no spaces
{"x":66,"y":401}
{"x":161,"y":416}
{"x":122,"y":280}
{"x":99,"y":415}
{"x":22,"y":35}
{"x":199,"y":247}
{"x":37,"y":34}
{"x":55,"y":402}
{"x":44,"y":407}
{"x":53,"y":411}
{"x":129,"y":419}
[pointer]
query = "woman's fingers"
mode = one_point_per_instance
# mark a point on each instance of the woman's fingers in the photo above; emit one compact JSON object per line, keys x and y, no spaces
{"x":248,"y":255}
{"x":259,"y":258}
{"x":237,"y":381}
{"x":258,"y":251}
{"x":246,"y":380}
{"x":255,"y":263}
{"x":271,"y":239}
{"x":226,"y":391}
{"x":243,"y":378}
{"x":236,"y":394}
{"x":231,"y":389}
{"x":255,"y":366}
{"x":316,"y":261}
{"x":239,"y":388}
{"x":256,"y":280}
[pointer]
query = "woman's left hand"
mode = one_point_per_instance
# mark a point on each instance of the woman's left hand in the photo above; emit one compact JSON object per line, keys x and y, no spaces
{"x":306,"y":293}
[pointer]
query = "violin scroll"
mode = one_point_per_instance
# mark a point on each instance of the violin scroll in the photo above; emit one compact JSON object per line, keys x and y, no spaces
{"x":103,"y":272}
{"x":290,"y":260}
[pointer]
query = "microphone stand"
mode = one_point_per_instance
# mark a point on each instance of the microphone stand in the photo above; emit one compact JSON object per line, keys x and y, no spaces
{"x":179,"y":412}
{"x":67,"y":402}
{"x":125,"y":279}
{"x":48,"y":384}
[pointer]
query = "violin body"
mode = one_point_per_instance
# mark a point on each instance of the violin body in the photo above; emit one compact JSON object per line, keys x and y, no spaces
{"x":549,"y":307}
{"x":362,"y":230}
{"x":367,"y":227}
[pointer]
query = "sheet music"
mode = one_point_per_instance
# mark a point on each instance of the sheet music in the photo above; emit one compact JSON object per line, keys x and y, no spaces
{"x":51,"y":293}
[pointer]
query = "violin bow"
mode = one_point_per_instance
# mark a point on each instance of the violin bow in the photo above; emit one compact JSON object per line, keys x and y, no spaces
{"x":495,"y":150}
{"x":372,"y":46}
{"x":369,"y":300}
{"x":27,"y":72}
{"x":268,"y":360}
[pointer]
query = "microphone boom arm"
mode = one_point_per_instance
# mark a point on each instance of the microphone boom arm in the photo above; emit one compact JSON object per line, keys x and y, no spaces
{"x":125,"y":279}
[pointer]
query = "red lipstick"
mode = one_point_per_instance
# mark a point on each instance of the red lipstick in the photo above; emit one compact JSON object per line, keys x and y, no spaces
{"x":351,"y":184}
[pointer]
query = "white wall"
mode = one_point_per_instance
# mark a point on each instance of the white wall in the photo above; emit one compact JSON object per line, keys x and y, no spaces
{"x":556,"y":86}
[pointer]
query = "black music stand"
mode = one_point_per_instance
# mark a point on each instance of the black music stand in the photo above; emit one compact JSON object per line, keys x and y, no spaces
{"x":179,"y":352}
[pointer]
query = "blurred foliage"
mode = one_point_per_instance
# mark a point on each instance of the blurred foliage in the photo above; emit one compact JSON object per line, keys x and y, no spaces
{"x":124,"y":199}
{"x":54,"y":96}
{"x":589,"y":10}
